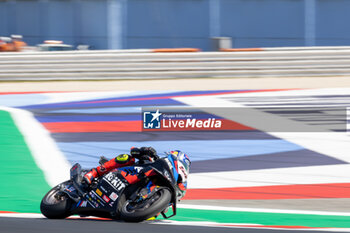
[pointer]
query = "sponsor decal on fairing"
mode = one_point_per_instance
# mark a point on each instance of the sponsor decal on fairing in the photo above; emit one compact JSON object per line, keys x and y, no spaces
{"x":113,"y":196}
{"x":114,"y":181}
{"x":106,"y":198}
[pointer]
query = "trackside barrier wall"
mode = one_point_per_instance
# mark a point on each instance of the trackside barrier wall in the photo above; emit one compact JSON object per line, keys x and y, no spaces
{"x":124,"y":24}
{"x":149,"y":64}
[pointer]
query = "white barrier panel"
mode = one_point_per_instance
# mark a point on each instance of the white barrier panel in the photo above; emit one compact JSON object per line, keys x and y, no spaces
{"x":145,"y":64}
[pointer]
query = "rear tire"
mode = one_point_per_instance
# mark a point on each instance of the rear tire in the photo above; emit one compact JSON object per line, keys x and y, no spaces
{"x":55,"y":205}
{"x":159,"y":201}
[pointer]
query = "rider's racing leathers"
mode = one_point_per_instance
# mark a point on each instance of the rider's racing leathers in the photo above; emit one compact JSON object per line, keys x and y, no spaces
{"x":144,"y":155}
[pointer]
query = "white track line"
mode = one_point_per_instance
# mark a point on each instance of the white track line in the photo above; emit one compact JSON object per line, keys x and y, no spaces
{"x":261,"y":210}
{"x":21,"y":215}
{"x":205,"y":207}
{"x":204,"y":224}
{"x":326,"y":174}
{"x":43,"y":148}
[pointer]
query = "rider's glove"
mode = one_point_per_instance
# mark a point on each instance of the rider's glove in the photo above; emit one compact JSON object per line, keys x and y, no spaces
{"x":151,"y":152}
{"x":135,"y":152}
{"x":90,"y":176}
{"x":144,"y":153}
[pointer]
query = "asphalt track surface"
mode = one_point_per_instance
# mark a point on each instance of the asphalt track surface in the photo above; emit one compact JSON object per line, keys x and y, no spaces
{"x":24,"y":225}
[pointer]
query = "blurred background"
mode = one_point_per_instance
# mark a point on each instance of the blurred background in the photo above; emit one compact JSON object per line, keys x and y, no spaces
{"x":129,"y":24}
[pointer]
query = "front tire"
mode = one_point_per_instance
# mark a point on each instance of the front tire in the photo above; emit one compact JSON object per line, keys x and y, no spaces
{"x":55,"y":204}
{"x":131,"y":212}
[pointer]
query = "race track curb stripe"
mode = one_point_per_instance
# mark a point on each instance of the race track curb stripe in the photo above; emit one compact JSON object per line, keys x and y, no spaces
{"x":263,"y":218}
{"x":276,"y":192}
{"x":43,"y":148}
{"x":262,"y":210}
{"x":22,"y":182}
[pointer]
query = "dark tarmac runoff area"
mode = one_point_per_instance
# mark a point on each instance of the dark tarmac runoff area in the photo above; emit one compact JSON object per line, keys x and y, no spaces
{"x":25,"y":225}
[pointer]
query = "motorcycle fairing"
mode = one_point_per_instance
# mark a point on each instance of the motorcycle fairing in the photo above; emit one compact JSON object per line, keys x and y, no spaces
{"x":104,"y":196}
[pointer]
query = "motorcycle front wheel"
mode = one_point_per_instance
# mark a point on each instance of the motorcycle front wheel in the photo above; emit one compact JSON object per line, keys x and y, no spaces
{"x":55,"y":204}
{"x":137,"y":212}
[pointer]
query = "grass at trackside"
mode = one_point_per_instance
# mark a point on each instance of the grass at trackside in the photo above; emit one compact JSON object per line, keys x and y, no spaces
{"x":22,"y":182}
{"x":267,"y":219}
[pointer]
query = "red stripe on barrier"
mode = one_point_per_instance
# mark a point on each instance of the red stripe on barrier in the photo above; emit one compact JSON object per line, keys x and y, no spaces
{"x":299,"y":191}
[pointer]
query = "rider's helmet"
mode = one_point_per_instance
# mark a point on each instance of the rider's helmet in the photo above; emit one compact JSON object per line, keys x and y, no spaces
{"x":182,"y":165}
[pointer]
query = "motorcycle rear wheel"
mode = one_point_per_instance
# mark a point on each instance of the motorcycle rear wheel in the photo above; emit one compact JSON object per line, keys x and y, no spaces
{"x":55,"y":205}
{"x":131,"y":212}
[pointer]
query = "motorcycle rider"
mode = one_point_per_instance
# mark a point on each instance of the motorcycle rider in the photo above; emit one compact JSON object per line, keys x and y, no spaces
{"x":144,"y":155}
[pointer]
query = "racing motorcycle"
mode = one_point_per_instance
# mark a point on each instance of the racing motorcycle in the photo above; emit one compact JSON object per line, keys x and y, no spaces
{"x":111,"y":196}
